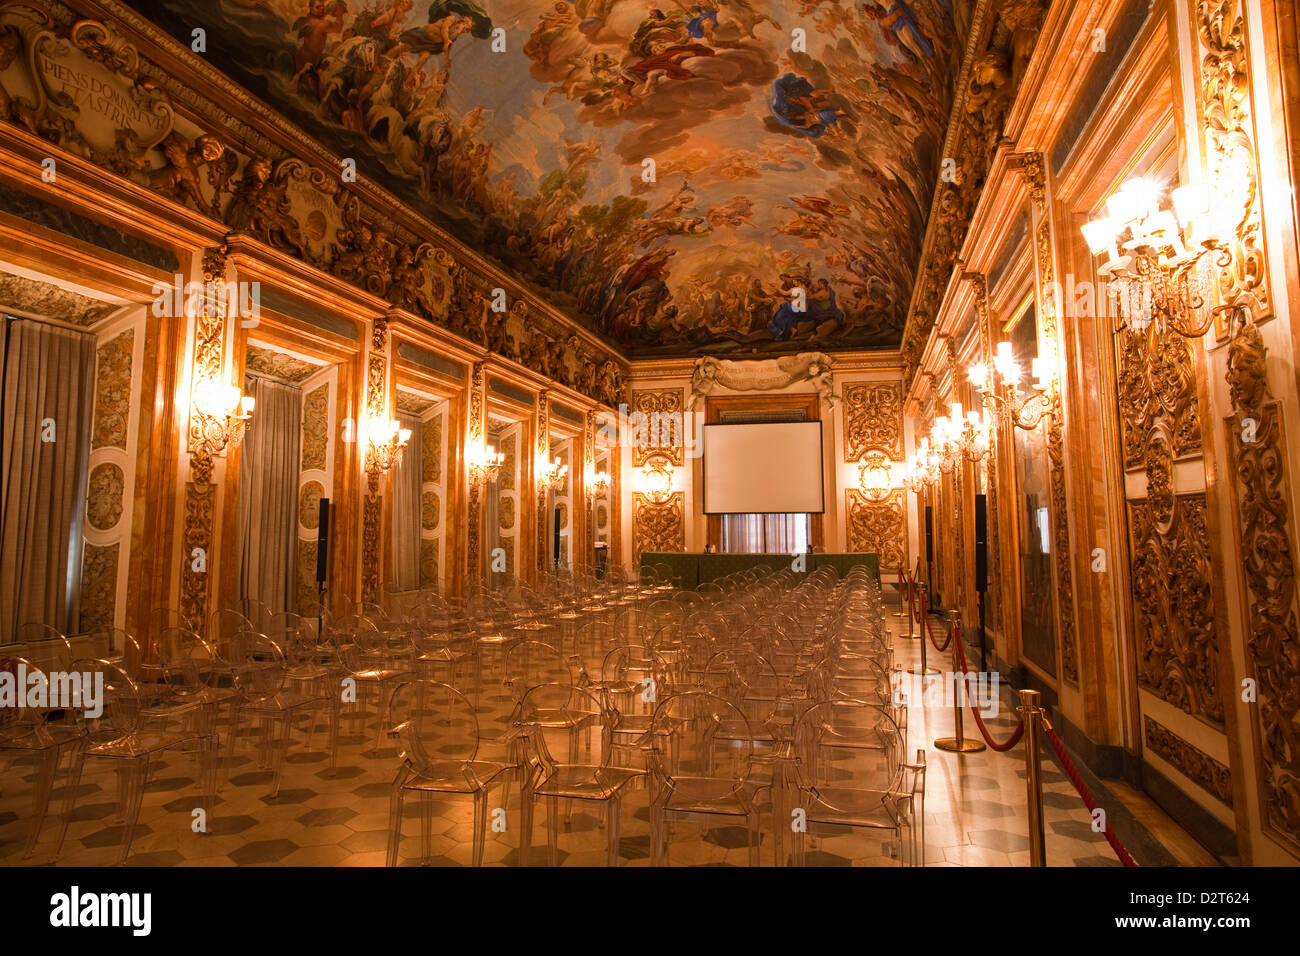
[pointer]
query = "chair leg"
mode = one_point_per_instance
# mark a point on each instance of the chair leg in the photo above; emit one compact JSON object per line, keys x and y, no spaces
{"x":754,"y":836}
{"x":47,"y":769}
{"x":553,"y":828}
{"x":395,"y":821}
{"x":70,"y":802}
{"x":426,"y":827}
{"x":525,"y":822}
{"x":613,"y":826}
{"x":658,"y":838}
{"x":277,"y":756}
{"x":134,"y":776}
{"x":480,"y":825}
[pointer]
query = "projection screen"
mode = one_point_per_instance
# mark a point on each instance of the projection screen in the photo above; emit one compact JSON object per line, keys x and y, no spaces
{"x":765,"y":468}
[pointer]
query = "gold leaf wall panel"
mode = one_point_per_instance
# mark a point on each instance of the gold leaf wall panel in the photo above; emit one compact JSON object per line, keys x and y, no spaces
{"x":878,"y":527}
{"x":658,"y":528}
{"x":99,"y":586}
{"x":873,"y":420}
{"x":113,"y":391}
{"x":315,"y":428}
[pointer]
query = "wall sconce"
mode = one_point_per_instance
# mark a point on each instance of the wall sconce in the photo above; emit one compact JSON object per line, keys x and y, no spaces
{"x":484,"y":463}
{"x":597,"y":484}
{"x":657,"y":480}
{"x":384,"y":444}
{"x":999,"y":388}
{"x":552,"y":475}
{"x":924,"y":469}
{"x":876,"y":477}
{"x":225,"y":413}
{"x":1155,"y":254}
{"x":957,"y":437}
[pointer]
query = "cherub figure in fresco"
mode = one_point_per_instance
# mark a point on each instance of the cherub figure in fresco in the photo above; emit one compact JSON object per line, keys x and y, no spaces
{"x":894,"y":21}
{"x":387,"y":25}
{"x":798,"y":105}
{"x":314,"y":29}
{"x":550,"y":27}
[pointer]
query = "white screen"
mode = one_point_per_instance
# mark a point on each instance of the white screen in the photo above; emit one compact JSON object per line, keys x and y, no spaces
{"x":768,"y":468}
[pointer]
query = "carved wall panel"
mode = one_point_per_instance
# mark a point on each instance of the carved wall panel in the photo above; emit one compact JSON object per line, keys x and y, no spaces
{"x":1195,"y":764}
{"x":1262,"y":490}
{"x":1157,"y":383}
{"x":315,"y":427}
{"x":105,"y":496}
{"x":1173,"y":597}
{"x":113,"y":391}
{"x":431,"y":453}
{"x":476,"y":432}
{"x":1056,"y":457}
{"x":878,"y":527}
{"x":873,"y":420}
{"x":429,"y":562}
{"x":309,"y":497}
{"x":99,"y":586}
{"x":307,"y":591}
{"x":658,"y":528}
{"x":543,"y":454}
{"x":661,"y":435}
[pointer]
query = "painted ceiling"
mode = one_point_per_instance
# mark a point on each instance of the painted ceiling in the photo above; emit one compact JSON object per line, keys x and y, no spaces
{"x":724,"y":177}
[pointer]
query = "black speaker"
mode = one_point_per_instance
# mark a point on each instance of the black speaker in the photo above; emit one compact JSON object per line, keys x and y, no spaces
{"x":929,"y":534}
{"x":323,"y":541}
{"x":981,"y":544}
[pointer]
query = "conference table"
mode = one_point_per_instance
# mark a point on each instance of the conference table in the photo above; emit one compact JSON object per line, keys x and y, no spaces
{"x":691,"y":570}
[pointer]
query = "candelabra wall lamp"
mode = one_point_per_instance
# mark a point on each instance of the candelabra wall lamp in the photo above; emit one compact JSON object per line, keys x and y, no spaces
{"x":484,"y":463}
{"x":223,"y":413}
{"x":552,"y":474}
{"x":657,"y":480}
{"x":1160,"y":257}
{"x":959,"y":437}
{"x":876,"y":477}
{"x":597,"y":484}
{"x":926,"y":468}
{"x":384,"y":444}
{"x":1001,"y":393}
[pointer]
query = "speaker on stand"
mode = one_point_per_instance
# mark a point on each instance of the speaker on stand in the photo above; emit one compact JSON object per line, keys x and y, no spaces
{"x":322,"y":565}
{"x":929,"y":548}
{"x":982,"y":567}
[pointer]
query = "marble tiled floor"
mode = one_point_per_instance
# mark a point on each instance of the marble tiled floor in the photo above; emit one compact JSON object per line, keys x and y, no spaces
{"x":975,"y":812}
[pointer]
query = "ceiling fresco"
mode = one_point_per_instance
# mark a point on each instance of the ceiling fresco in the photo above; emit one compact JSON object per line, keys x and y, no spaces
{"x":724,"y":177}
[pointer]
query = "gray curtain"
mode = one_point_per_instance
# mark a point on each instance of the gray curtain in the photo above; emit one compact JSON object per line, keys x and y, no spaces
{"x":49,"y":384}
{"x":268,"y":496}
{"x":765,"y":533}
{"x":406,"y":512}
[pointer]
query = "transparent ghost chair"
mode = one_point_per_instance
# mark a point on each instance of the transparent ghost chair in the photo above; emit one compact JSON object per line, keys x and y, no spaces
{"x":701,"y":764}
{"x":262,"y":683}
{"x":122,"y":736}
{"x":191,"y":688}
{"x":596,"y":779}
{"x":29,"y":732}
{"x":43,"y":646}
{"x":359,"y":650}
{"x":849,"y":770}
{"x":439,"y":737}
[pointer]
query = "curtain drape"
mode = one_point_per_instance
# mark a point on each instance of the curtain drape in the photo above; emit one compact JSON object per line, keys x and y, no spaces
{"x":268,"y":496}
{"x":405,"y":536}
{"x":48,"y":399}
{"x":764,"y":533}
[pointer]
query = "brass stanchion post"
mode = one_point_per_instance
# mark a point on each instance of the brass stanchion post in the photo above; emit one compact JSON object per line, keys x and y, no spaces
{"x":923,"y":669}
{"x":911,"y":600}
{"x":958,"y":744}
{"x":1031,"y":713}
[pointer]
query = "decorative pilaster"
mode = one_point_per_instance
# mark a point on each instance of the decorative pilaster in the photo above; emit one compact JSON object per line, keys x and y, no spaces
{"x":376,"y":412}
{"x":475,"y":430}
{"x":589,"y":469}
{"x":984,"y":322}
{"x":540,"y":462}
{"x":200,"y":492}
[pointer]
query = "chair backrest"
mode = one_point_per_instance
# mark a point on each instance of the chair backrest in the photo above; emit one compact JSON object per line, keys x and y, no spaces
{"x":530,"y":663}
{"x":190,"y":665}
{"x":701,"y":738}
{"x":119,"y":706}
{"x":547,"y":716}
{"x":438,"y":724}
{"x":21,"y":726}
{"x":865,"y":731}
{"x":261,"y":673}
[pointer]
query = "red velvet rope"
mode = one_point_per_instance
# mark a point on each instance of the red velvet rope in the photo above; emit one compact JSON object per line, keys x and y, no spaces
{"x":937,"y":646}
{"x":1072,"y":772}
{"x":979,"y":720}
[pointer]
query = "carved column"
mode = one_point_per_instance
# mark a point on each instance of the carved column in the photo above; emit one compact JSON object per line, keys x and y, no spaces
{"x":543,"y":458}
{"x":1031,"y":166}
{"x":376,"y":410}
{"x":984,"y":322}
{"x":475,"y":432}
{"x":200,"y":492}
{"x":589,"y":502}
